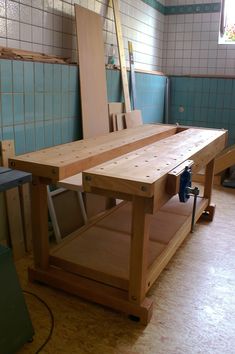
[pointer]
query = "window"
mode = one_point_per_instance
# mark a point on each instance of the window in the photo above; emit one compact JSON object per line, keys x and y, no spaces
{"x":227,"y":22}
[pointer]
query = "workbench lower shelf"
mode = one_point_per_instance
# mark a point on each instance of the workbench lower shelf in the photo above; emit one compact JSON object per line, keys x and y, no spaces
{"x":94,"y":262}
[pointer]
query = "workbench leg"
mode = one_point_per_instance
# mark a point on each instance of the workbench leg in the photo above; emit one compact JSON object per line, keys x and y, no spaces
{"x":40,"y":224}
{"x":139,"y":251}
{"x":208,"y":186}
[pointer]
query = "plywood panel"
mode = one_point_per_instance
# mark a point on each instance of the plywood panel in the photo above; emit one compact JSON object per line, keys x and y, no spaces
{"x":113,"y":108}
{"x":92,"y":73}
{"x":103,"y":251}
{"x":133,"y":119}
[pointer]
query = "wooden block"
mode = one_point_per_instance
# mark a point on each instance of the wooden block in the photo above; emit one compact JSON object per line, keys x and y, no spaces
{"x":173,"y":178}
{"x":113,"y":108}
{"x":90,"y":47}
{"x":120,"y":121}
{"x":133,"y":119}
{"x":73,"y":183}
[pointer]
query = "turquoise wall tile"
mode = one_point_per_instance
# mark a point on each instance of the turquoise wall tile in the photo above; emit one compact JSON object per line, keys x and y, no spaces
{"x":65,"y":78}
{"x":29,"y":107}
{"x":74,"y":129}
{"x":48,"y":111}
{"x":46,"y":101}
{"x":19,"y":133}
{"x":73,"y":105}
{"x":57,"y":130}
{"x":8,"y":133}
{"x":18,"y":108}
{"x":57,"y":76}
{"x":73,"y":78}
{"x":48,"y":82}
{"x":1,"y":138}
{"x":6,"y":76}
{"x":65,"y":105}
{"x":18,"y":76}
{"x":30,"y":137}
{"x":28,"y":77}
{"x":39,"y":77}
{"x":48,"y":126}
{"x":39,"y":106}
{"x":214,"y":107}
{"x":7,"y":109}
{"x":57,"y":104}
{"x":65,"y":130}
{"x":39,"y":135}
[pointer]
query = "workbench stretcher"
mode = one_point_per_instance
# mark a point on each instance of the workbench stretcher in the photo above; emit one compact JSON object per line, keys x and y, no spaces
{"x":115,"y":259}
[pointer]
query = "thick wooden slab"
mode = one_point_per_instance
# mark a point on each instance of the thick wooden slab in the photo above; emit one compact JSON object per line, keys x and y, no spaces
{"x":90,"y":45}
{"x":145,"y":170}
{"x":65,"y":160}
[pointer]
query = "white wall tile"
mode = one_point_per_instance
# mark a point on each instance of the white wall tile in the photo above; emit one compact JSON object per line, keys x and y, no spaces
{"x":13,"y":29}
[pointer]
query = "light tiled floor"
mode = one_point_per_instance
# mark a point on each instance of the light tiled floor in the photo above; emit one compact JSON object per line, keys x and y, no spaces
{"x":194,"y":302}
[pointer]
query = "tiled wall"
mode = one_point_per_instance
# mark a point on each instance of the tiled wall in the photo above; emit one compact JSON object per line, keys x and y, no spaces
{"x":204,"y":102}
{"x":191,"y":43}
{"x":48,"y":26}
{"x":150,"y":91}
{"x":40,"y":104}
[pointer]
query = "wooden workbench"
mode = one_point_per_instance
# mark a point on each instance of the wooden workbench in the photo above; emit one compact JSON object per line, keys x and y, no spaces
{"x":116,"y":258}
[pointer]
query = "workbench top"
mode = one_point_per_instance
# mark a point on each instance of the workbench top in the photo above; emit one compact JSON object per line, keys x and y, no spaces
{"x":136,"y":172}
{"x":68,"y":159}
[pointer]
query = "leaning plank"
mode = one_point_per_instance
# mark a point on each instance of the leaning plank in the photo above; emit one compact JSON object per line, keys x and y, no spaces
{"x":92,"y":73}
{"x":113,"y":108}
{"x":13,"y":206}
{"x":133,"y":119}
{"x":122,"y":58}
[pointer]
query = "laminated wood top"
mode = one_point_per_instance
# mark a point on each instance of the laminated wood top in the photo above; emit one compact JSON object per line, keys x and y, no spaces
{"x":65,"y":160}
{"x":142,"y":171}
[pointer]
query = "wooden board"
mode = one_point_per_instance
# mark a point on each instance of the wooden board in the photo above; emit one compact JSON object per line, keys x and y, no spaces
{"x":152,"y":164}
{"x":65,"y":160}
{"x":122,"y":58}
{"x":113,"y":108}
{"x":13,"y":206}
{"x":133,"y":119}
{"x":92,"y":72}
{"x":120,"y":121}
{"x":132,"y":72}
{"x":101,"y":255}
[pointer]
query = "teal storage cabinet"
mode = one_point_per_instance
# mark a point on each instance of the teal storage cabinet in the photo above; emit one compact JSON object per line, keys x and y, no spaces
{"x":15,"y":324}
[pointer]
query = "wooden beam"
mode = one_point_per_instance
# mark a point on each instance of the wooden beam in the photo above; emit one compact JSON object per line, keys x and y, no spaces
{"x":122,"y":57}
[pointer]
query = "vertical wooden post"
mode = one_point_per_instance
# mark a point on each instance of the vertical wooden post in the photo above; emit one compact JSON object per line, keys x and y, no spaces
{"x":139,"y":250}
{"x":25,"y":201}
{"x":13,"y":206}
{"x":40,"y":224}
{"x":209,"y":177}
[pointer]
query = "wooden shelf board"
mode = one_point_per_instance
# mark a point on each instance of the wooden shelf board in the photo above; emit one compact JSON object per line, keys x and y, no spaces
{"x":101,"y":251}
